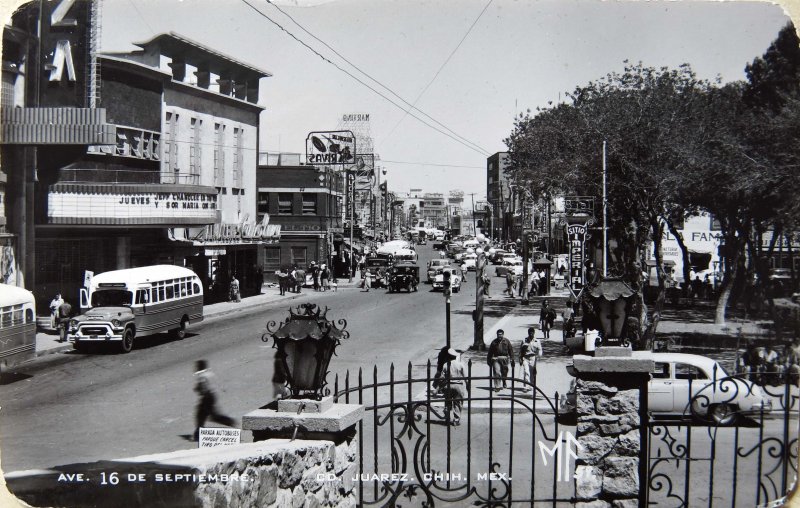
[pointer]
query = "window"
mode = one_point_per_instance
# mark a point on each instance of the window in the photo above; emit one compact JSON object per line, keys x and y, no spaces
{"x":170,"y":156}
{"x":170,"y":292}
{"x":272,"y":258}
{"x":142,"y":296}
{"x":299,"y":256}
{"x":309,"y":204}
{"x":661,"y":371}
{"x":196,"y":288}
{"x":219,"y":155}
{"x":238,"y":180}
{"x":285,"y":203}
{"x":686,"y":371}
{"x":194,"y":146}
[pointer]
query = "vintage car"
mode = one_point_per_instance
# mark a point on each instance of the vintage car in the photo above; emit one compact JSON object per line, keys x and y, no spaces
{"x":435,"y":266}
{"x":514,"y":264}
{"x":456,"y":278}
{"x":496,"y":257}
{"x":695,"y":386}
{"x":403,"y":276}
{"x":378,"y":267}
{"x":469,"y":262}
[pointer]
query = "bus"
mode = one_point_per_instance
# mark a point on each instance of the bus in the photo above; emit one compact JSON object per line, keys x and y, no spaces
{"x":137,"y":302}
{"x":17,"y":325}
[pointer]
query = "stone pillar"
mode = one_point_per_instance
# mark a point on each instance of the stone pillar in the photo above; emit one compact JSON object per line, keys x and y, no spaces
{"x":611,"y":405}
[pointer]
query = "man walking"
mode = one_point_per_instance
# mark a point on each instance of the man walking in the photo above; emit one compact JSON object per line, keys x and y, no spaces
{"x":547,"y":317}
{"x":509,"y":284}
{"x":529,"y":353}
{"x":207,"y":405}
{"x":453,"y":388}
{"x":500,"y":352}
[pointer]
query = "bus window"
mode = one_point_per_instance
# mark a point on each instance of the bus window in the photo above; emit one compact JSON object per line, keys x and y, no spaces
{"x":161,"y":296}
{"x":5,"y":320}
{"x":189,"y":288}
{"x":142,"y":296}
{"x":16,"y":318}
{"x":29,"y":315}
{"x":196,"y":288}
{"x":177,"y":288}
{"x":183,"y":288}
{"x":170,"y":292}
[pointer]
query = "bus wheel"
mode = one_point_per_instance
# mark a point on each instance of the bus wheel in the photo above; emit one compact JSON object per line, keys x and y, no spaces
{"x":180,"y":333}
{"x":127,"y":341}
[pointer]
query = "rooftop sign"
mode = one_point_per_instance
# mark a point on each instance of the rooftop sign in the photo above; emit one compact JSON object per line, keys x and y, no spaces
{"x":331,"y":147}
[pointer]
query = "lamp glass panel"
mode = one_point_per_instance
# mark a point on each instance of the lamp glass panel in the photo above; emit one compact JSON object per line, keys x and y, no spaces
{"x":300,"y":357}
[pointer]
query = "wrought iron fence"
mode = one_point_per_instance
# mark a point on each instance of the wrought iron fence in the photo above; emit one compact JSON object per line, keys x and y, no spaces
{"x":735,"y":444}
{"x":505,"y":451}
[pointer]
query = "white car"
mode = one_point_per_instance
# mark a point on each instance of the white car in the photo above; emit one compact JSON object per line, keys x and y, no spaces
{"x":469,"y":262}
{"x":456,"y":278}
{"x":515,"y":265}
{"x":693,"y":385}
{"x":435,"y":266}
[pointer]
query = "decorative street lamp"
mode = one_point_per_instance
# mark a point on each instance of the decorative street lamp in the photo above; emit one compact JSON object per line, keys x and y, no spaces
{"x":306,"y":341}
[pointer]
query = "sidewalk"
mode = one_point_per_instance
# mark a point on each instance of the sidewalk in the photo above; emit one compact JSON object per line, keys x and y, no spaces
{"x":47,"y":338}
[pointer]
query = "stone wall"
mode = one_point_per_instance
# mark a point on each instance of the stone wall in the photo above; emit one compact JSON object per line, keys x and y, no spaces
{"x":274,"y":473}
{"x":607,"y":467}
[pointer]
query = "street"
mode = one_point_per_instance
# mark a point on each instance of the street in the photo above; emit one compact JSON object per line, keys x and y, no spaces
{"x":74,"y":407}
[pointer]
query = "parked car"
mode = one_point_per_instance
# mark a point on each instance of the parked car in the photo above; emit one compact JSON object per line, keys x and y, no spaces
{"x":440,"y":244}
{"x":456,"y":278}
{"x":469,"y":262}
{"x":514,"y":264}
{"x":403,"y":276}
{"x":435,"y":266}
{"x":694,"y":385}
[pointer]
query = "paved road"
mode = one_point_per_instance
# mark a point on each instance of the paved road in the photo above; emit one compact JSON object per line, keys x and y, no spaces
{"x":73,"y":407}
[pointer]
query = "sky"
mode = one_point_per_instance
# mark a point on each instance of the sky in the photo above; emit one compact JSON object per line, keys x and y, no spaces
{"x":472,"y":65}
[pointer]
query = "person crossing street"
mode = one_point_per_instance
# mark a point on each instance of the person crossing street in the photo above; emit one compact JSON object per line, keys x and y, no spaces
{"x":498,"y":357}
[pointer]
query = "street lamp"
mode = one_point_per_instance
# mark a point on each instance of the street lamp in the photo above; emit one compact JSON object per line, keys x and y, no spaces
{"x":306,"y":341}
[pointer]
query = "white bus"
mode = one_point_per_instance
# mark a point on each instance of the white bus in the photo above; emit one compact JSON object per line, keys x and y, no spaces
{"x":17,"y":325}
{"x":136,"y":302}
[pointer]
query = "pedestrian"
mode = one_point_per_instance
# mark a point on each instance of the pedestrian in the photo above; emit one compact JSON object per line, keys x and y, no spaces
{"x":487,"y":281}
{"x":259,"y":280}
{"x":535,"y":283}
{"x":335,"y":284}
{"x":300,"y":279}
{"x":64,"y":315}
{"x":498,"y":357}
{"x":207,"y":404}
{"x":324,"y":277}
{"x":235,"y":296}
{"x":547,"y":317}
{"x":568,"y":315}
{"x":454,"y":388}
{"x":283,"y":280}
{"x":509,"y":284}
{"x":708,"y":288}
{"x":55,"y":303}
{"x":314,"y":269}
{"x":529,"y":352}
{"x":292,"y":280}
{"x":561,"y":269}
{"x":367,"y":280}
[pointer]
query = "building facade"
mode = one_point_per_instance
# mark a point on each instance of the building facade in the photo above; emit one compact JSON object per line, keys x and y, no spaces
{"x":160,"y":172}
{"x":500,"y":197}
{"x":307,"y":202}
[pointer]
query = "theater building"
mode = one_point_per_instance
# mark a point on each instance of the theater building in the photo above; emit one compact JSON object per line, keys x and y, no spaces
{"x":151,"y":160}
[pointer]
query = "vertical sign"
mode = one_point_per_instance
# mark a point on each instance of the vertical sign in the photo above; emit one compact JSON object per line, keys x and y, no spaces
{"x":576,"y":233}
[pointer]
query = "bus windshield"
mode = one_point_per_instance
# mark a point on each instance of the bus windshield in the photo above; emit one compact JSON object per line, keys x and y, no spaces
{"x":111,"y":298}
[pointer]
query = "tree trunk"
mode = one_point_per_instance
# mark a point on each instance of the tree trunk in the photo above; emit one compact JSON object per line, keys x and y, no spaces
{"x":733,"y":250}
{"x":684,"y":254}
{"x":650,"y":332}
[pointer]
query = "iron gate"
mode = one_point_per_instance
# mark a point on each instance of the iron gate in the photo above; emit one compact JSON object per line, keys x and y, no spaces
{"x":509,"y":448}
{"x":718,"y":455}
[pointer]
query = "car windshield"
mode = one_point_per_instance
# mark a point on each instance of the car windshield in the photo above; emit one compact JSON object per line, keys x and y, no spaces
{"x":111,"y":298}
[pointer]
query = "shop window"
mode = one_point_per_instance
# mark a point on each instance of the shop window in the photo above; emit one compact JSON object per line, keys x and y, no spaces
{"x":309,"y":204}
{"x":272,"y":258}
{"x":285,"y":203}
{"x":299,"y":256}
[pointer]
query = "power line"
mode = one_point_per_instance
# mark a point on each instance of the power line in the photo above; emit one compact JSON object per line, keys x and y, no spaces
{"x":440,"y":68}
{"x":478,"y":149}
{"x":411,"y":106}
{"x":432,"y":164}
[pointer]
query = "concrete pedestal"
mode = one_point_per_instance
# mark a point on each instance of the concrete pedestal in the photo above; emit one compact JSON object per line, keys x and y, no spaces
{"x":312,"y":419}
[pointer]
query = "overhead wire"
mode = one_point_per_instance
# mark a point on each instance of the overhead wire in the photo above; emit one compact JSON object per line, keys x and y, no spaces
{"x":414,"y":105}
{"x":455,"y":137}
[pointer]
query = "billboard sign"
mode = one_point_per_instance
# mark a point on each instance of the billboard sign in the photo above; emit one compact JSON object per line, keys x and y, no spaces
{"x":576,"y":235}
{"x":334,"y":148}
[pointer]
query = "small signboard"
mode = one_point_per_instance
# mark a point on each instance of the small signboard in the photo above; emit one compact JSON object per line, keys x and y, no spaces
{"x":334,"y":148}
{"x":576,"y":233}
{"x":87,"y":278}
{"x":211,"y":437}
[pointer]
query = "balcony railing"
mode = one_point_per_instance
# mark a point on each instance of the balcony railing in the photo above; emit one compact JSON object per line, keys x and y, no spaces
{"x":126,"y":176}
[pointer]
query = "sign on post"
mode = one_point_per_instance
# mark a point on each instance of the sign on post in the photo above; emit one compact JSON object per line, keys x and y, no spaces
{"x":211,"y":437}
{"x":576,"y":234}
{"x":334,"y":148}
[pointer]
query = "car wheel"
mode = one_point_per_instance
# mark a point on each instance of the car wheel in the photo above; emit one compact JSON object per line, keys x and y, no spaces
{"x":722,"y":414}
{"x":127,"y":341}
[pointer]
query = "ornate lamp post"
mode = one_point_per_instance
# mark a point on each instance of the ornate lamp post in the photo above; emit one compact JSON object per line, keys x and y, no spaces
{"x":306,"y":341}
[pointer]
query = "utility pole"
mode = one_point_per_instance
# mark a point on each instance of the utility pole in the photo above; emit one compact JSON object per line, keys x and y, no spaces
{"x":474,"y":223}
{"x":605,"y":230}
{"x":477,"y":339}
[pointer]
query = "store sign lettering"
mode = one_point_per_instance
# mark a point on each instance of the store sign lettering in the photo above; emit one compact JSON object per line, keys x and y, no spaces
{"x":248,"y":231}
{"x":177,"y":200}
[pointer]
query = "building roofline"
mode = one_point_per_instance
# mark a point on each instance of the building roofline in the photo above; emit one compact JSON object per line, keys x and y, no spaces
{"x":178,"y":39}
